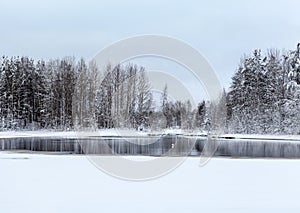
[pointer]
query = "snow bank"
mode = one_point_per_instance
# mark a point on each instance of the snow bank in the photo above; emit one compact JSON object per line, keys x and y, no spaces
{"x":41,"y":133}
{"x":134,"y":133}
{"x":262,"y":137}
{"x":32,"y":183}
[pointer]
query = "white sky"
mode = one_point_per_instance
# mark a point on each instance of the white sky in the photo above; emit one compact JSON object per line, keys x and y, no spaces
{"x":221,"y":30}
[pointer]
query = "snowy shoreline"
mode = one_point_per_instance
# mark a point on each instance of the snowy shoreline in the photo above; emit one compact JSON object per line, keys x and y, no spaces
{"x":261,"y":137}
{"x":130,"y":133}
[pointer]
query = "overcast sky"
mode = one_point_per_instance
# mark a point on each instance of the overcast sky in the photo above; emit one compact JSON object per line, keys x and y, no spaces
{"x":221,"y":30}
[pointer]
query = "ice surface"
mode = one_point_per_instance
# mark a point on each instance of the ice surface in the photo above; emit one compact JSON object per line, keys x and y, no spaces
{"x":130,"y":132}
{"x":37,"y":183}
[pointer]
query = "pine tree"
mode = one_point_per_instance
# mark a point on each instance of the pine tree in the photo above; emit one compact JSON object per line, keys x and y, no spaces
{"x":200,"y":116}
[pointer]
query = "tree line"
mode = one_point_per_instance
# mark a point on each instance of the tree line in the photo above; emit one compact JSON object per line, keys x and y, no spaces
{"x":66,"y":93}
{"x":264,"y":97}
{"x":62,"y":93}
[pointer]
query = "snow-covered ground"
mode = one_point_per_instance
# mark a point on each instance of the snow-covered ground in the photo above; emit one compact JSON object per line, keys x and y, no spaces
{"x":72,"y":134}
{"x":262,"y":137}
{"x":130,"y":132}
{"x":54,"y":183}
{"x":41,"y":133}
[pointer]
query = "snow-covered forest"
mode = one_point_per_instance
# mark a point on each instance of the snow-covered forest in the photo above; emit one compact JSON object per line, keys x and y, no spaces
{"x":58,"y":94}
{"x":63,"y":93}
{"x":264,"y":96}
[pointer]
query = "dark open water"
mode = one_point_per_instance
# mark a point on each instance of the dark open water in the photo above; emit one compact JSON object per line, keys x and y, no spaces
{"x":155,"y":146}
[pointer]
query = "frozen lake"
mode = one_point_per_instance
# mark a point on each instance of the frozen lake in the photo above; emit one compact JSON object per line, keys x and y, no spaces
{"x":156,"y":146}
{"x":34,"y":183}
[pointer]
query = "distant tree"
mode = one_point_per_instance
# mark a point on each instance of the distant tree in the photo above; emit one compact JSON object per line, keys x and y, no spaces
{"x":81,"y":106}
{"x":144,"y":99}
{"x":292,"y":102}
{"x":167,"y":107}
{"x":200,"y":116}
